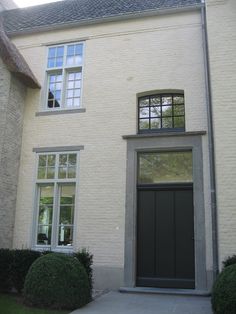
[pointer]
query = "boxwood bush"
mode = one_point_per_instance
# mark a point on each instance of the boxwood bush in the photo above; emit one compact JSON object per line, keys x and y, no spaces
{"x":224,"y":292}
{"x":57,"y":281}
{"x":6,"y":260}
{"x":22,"y":260}
{"x":230,"y":261}
{"x":86,"y":259}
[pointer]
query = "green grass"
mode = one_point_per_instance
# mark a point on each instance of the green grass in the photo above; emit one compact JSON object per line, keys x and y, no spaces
{"x":13,"y":305}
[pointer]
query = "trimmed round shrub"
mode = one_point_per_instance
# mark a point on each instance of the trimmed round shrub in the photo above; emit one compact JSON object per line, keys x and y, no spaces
{"x":57,"y":281}
{"x":224,"y":292}
{"x":230,"y":261}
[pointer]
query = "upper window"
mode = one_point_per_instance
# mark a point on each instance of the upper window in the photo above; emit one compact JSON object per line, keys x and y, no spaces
{"x":161,"y":112}
{"x":64,"y":76}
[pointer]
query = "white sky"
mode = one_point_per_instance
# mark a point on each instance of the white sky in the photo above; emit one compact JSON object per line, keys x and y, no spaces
{"x":27,"y":3}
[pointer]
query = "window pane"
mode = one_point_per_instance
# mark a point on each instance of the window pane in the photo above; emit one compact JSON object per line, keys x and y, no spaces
{"x":42,"y":160}
{"x":178,"y":100}
{"x":77,"y":93}
{"x":166,"y":100}
{"x":60,"y":51}
{"x":70,"y":50}
{"x":42,"y":172}
{"x":167,"y":123}
{"x":69,"y":60}
{"x":52,"y":52}
{"x":155,"y":112}
{"x":144,"y":124}
{"x":155,"y":100}
{"x":54,"y":90}
{"x":71,"y":172}
{"x":44,"y":235}
{"x":179,"y":122}
{"x":144,"y":101}
{"x":51,"y":63}
{"x":45,"y":214}
{"x":62,"y":172}
{"x":66,"y":217}
{"x":179,"y":110}
{"x":72,"y":159}
{"x":69,"y":102}
{"x":73,"y":90}
{"x":155,"y":123}
{"x":50,"y":172}
{"x":167,"y":111}
{"x":79,"y":49}
{"x":76,"y":102}
{"x":63,"y":159}
{"x":46,"y":194}
{"x":78,"y":60}
{"x":144,"y":112}
{"x":165,"y":167}
{"x":65,"y":236}
{"x":59,"y":62}
{"x":51,"y":160}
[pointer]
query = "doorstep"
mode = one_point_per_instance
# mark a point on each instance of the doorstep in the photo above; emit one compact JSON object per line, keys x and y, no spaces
{"x":165,"y":291}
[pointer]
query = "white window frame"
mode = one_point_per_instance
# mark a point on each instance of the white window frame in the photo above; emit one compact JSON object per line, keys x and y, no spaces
{"x":64,"y":70}
{"x":57,"y":183}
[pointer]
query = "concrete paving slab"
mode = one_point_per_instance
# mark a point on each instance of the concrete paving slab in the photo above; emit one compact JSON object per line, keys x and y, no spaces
{"x":129,"y":303}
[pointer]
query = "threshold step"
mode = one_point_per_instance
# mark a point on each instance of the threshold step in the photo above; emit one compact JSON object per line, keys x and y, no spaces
{"x":169,"y":291}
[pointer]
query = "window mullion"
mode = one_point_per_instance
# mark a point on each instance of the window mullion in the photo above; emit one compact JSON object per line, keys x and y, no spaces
{"x":63,"y":96}
{"x":55,"y":217}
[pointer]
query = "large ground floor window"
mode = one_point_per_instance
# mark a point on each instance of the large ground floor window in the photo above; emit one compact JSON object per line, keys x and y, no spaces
{"x":55,"y":200}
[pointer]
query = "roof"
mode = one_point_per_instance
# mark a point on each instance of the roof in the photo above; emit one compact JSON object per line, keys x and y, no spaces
{"x":71,"y":12}
{"x":15,"y":61}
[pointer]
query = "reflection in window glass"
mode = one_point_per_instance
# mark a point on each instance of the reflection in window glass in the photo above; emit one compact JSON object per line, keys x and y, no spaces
{"x":46,"y":166}
{"x":73,"y":89}
{"x":55,"y":90}
{"x":67,"y":166}
{"x":165,"y":167}
{"x":45,"y":209}
{"x":66,"y":217}
{"x":157,"y":112}
{"x":64,"y":76}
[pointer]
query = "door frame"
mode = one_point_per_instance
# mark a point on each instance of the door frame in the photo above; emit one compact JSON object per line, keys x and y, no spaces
{"x":162,"y":142}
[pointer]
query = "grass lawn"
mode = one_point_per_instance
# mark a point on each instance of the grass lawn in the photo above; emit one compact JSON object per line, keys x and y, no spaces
{"x":13,"y":305}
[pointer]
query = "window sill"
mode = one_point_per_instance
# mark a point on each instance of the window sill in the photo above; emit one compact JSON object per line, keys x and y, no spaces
{"x":56,"y":249}
{"x":163,"y":134}
{"x":56,"y":112}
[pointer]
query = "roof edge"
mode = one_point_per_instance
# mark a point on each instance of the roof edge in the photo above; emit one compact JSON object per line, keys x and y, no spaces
{"x":15,"y":62}
{"x":113,"y":18}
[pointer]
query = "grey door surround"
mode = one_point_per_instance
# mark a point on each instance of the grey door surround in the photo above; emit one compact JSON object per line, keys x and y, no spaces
{"x":167,"y":142}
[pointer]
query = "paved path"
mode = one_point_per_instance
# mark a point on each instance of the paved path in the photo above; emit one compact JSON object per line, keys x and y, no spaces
{"x":128,"y":303}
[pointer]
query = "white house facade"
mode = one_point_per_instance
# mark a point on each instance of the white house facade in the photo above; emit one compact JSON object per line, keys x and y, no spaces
{"x":123,"y":148}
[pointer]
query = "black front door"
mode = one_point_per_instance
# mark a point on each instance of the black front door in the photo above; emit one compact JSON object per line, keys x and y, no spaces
{"x":165,"y":236}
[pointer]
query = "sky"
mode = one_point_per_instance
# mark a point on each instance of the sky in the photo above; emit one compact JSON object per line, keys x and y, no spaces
{"x":27,"y":3}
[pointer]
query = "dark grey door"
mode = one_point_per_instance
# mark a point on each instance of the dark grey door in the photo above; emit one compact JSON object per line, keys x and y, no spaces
{"x":165,"y":236}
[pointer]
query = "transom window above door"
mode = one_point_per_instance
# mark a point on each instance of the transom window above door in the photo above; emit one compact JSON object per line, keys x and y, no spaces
{"x":165,"y":167}
{"x":161,"y":112}
{"x":64,"y":76}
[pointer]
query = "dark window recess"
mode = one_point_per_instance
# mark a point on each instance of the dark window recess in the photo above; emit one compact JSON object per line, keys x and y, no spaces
{"x":161,"y":112}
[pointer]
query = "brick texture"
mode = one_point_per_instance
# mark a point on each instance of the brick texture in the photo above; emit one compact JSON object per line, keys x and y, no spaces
{"x":12,"y":96}
{"x":222,"y":43}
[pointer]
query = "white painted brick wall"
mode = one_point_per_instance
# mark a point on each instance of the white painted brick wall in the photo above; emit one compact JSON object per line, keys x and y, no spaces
{"x":121,"y":60}
{"x":222,"y":43}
